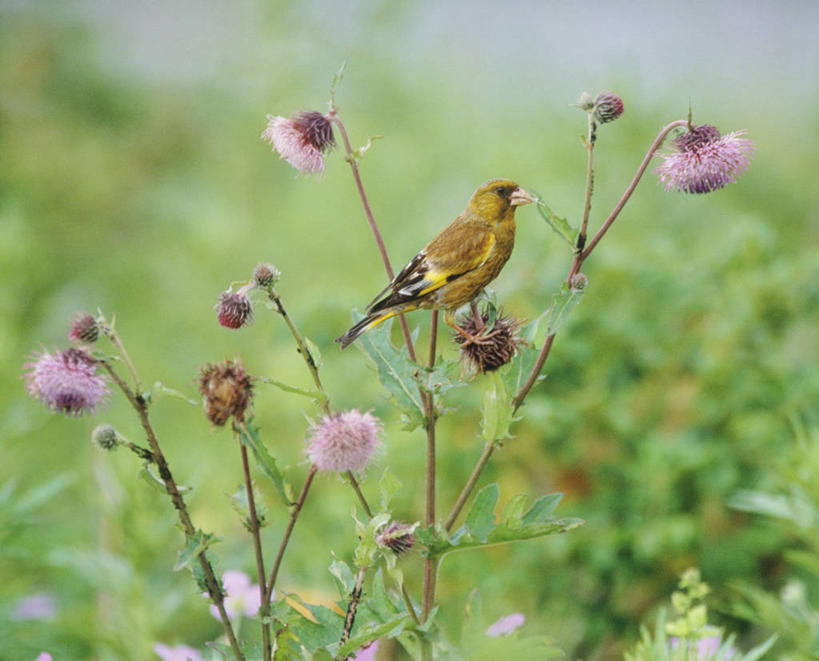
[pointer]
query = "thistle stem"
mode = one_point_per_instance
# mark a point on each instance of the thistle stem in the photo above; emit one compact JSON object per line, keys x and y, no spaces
{"x":264,"y":609}
{"x":357,"y":488}
{"x":430,"y":564}
{"x":352,"y":608}
{"x":488,"y":449}
{"x":382,"y":249}
{"x":212,"y":583}
{"x":294,"y":515}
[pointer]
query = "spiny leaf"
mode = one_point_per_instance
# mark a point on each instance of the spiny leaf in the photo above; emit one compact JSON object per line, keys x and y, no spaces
{"x":194,"y":545}
{"x":481,"y":518}
{"x":558,"y":224}
{"x":266,"y":461}
{"x":496,"y":412}
{"x":564,"y":302}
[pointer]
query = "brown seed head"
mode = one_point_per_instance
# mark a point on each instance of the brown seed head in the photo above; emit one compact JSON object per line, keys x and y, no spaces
{"x":227,"y":390}
{"x":494,"y":347}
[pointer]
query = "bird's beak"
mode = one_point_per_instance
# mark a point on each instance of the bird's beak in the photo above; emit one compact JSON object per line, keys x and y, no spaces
{"x":520,"y":196}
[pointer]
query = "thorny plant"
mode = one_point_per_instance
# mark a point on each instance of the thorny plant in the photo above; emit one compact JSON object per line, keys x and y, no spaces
{"x":75,"y":381}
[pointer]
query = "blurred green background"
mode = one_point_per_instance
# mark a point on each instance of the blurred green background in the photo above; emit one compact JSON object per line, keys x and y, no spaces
{"x":132,"y":179}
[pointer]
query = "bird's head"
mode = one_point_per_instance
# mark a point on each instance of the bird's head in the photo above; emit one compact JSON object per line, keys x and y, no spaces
{"x":496,"y":197}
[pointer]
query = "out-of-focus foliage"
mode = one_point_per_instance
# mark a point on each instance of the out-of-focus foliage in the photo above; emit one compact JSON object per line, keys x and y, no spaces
{"x":668,"y":390}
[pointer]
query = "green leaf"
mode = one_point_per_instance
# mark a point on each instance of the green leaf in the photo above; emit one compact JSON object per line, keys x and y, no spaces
{"x":519,"y":521}
{"x":156,"y":482}
{"x":266,"y":461}
{"x":389,"y":629}
{"x":396,"y":372}
{"x":521,"y":365}
{"x":481,"y":518}
{"x":560,"y":225}
{"x":345,"y":581}
{"x":162,"y":389}
{"x":241,"y":506}
{"x":315,"y":353}
{"x":388,"y":486}
{"x":317,"y":395}
{"x":194,"y":545}
{"x":563,"y":303}
{"x":496,"y":413}
{"x":324,"y":631}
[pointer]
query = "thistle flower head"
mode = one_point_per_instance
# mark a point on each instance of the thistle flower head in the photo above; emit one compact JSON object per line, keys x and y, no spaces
{"x":493,"y":347}
{"x":703,"y":161}
{"x":397,"y":537}
{"x":265,"y":275}
{"x":301,"y":140}
{"x":607,"y":107}
{"x":234,"y":309}
{"x":241,"y":596}
{"x":344,"y":441}
{"x":84,"y":328}
{"x":105,"y":437}
{"x":66,"y":381}
{"x":227,"y":390}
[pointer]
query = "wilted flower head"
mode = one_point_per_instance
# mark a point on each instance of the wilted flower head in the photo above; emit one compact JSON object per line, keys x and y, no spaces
{"x":84,"y":328}
{"x":506,"y":625}
{"x":301,"y":140}
{"x":493,"y":347}
{"x":265,"y":275}
{"x":241,"y":597}
{"x":344,"y":441}
{"x":227,"y":390}
{"x":234,"y":309}
{"x":578,"y":282}
{"x":66,"y":381}
{"x":397,"y":537}
{"x":105,"y":437}
{"x":607,"y":107}
{"x":703,"y":161}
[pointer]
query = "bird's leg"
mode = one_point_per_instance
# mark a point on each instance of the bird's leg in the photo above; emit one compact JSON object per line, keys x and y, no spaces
{"x":469,"y":338}
{"x":476,"y":315}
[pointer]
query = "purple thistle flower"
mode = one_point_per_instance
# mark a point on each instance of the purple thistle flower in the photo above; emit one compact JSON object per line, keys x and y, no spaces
{"x":66,"y":381}
{"x":344,"y":441}
{"x":397,"y":537}
{"x":43,"y":656}
{"x":506,"y":625}
{"x":234,"y":310}
{"x":703,"y":161}
{"x":301,"y":140}
{"x":367,"y":653}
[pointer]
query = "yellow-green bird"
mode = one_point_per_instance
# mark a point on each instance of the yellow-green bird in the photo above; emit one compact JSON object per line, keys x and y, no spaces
{"x":457,"y":264}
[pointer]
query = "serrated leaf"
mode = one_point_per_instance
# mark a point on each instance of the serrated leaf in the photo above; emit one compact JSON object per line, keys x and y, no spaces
{"x":514,"y":509}
{"x":345,"y":581}
{"x":560,"y":225}
{"x":194,"y":545}
{"x":396,"y":372}
{"x":563,"y":303}
{"x":389,"y":629}
{"x":266,"y":461}
{"x":388,"y":486}
{"x":542,"y":508}
{"x":317,"y":395}
{"x":241,"y":506}
{"x":481,"y":518}
{"x":496,"y":412}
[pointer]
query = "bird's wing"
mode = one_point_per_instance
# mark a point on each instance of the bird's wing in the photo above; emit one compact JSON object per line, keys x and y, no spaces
{"x":460,"y":248}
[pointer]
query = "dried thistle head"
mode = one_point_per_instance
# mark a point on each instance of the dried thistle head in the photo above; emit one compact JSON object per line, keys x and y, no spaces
{"x":227,"y":390}
{"x":397,"y":537}
{"x":493,"y":346}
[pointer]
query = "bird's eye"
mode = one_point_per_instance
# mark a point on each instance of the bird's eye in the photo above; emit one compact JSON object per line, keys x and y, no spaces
{"x":500,"y":190}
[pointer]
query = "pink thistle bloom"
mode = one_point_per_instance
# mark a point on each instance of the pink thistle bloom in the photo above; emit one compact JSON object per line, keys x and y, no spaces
{"x":344,"y":441}
{"x":367,"y":653}
{"x":234,"y":309}
{"x":43,"y":656}
{"x":66,"y":381}
{"x":506,"y":625}
{"x":84,"y":328}
{"x":176,"y":653}
{"x":241,"y":597}
{"x":301,"y":140}
{"x":703,"y":161}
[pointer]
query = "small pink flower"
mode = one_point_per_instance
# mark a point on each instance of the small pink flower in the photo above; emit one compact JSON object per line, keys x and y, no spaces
{"x":344,"y":441}
{"x":703,"y":161}
{"x":706,"y":647}
{"x":39,"y":606}
{"x":176,"y":653}
{"x":234,"y":310}
{"x":241,"y":597}
{"x":43,"y":656}
{"x":66,"y":381}
{"x":367,"y":653}
{"x":506,"y":625}
{"x":301,"y":140}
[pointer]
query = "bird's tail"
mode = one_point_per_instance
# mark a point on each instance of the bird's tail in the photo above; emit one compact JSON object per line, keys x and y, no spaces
{"x":364,"y":325}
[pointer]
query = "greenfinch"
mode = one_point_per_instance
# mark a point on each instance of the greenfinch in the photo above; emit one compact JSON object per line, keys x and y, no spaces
{"x":457,"y":264}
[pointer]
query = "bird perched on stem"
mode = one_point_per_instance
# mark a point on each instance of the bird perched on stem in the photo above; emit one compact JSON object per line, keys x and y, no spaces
{"x":457,"y":264}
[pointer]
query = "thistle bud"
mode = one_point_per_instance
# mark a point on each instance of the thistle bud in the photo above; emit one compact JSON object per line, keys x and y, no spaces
{"x":105,"y":437}
{"x":227,"y":390}
{"x":234,"y":309}
{"x":265,"y":275}
{"x":84,"y":328}
{"x":578,"y":282}
{"x":607,"y":107}
{"x":397,"y":537}
{"x":585,"y":101}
